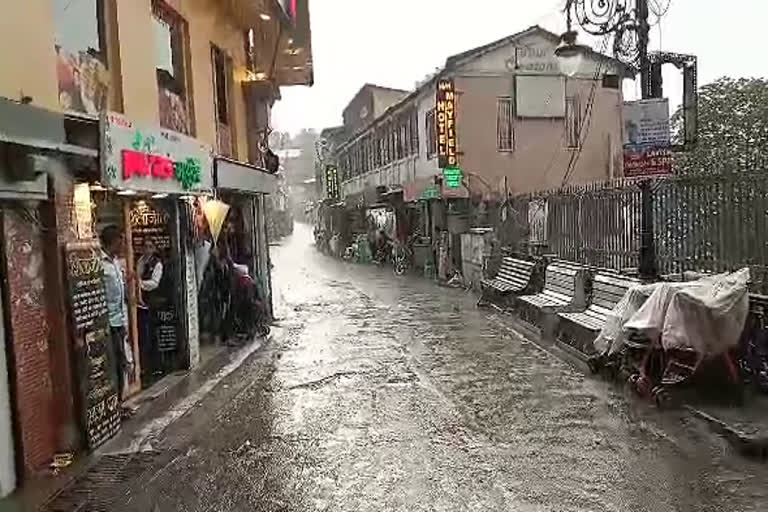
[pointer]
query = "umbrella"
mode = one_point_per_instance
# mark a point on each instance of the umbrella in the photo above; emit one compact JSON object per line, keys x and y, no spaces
{"x":215,"y":212}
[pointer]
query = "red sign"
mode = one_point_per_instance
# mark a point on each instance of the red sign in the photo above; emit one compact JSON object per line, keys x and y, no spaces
{"x":136,"y":163}
{"x":647,"y":162}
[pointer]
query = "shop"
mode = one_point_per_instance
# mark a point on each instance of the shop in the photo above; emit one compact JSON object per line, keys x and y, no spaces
{"x":245,"y":189}
{"x":149,"y":176}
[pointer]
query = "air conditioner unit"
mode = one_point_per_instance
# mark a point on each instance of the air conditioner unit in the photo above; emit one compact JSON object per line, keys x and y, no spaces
{"x":21,"y":165}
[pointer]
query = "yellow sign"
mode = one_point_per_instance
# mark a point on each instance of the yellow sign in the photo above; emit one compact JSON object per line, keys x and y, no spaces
{"x":445,"y":124}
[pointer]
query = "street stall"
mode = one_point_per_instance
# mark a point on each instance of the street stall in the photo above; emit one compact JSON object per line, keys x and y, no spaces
{"x":148,"y":175}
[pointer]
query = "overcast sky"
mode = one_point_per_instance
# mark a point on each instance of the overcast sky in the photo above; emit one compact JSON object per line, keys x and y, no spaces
{"x":396,"y":43}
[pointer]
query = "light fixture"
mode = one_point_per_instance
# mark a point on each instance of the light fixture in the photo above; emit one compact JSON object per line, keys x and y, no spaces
{"x":159,"y":196}
{"x":290,"y":40}
{"x":260,"y":75}
{"x":97,"y":187}
{"x":297,"y":68}
{"x":127,"y":193}
{"x":265,"y":16}
{"x":187,"y":198}
{"x":570,"y":54}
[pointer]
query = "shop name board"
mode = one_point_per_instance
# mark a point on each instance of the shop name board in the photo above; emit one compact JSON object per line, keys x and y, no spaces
{"x":332,"y":182}
{"x":648,"y":161}
{"x":152,"y":159}
{"x":445,"y":123}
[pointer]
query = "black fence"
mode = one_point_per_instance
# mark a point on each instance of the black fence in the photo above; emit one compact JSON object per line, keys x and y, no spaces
{"x":704,"y":223}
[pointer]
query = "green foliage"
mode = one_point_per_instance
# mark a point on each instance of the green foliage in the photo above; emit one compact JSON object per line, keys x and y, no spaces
{"x":733,"y":128}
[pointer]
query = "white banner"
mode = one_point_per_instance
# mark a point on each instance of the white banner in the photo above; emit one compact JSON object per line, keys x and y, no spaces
{"x":646,"y":123}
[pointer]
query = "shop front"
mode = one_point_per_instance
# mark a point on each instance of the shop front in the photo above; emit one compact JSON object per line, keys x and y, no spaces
{"x":246,"y":189}
{"x":149,"y":176}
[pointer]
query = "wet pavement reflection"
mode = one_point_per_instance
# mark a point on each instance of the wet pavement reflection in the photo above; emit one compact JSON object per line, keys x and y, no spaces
{"x":391,"y":393}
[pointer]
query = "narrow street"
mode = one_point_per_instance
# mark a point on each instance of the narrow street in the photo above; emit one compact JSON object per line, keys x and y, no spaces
{"x":384,"y":393}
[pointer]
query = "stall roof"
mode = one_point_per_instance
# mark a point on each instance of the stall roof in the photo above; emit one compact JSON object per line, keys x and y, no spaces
{"x":241,"y":177}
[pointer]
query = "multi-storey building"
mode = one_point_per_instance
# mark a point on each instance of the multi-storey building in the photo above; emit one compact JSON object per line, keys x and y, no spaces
{"x":520,"y":125}
{"x":148,"y":99}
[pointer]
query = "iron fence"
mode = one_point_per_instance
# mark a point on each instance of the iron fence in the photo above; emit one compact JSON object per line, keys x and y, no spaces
{"x":704,"y":223}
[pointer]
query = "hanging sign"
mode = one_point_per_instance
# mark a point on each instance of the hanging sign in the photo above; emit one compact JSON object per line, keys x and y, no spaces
{"x":152,"y":159}
{"x":647,"y":138}
{"x":445,"y":124}
{"x":96,"y":368}
{"x":332,"y":182}
{"x":452,"y":177}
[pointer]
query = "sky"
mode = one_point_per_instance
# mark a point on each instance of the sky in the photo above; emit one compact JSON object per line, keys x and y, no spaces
{"x":396,"y":43}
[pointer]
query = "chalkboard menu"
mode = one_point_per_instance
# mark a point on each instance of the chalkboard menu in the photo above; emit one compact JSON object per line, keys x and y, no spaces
{"x":96,"y":366}
{"x":150,"y":220}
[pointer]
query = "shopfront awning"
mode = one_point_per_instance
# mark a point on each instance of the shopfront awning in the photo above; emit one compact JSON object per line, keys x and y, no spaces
{"x":241,"y":177}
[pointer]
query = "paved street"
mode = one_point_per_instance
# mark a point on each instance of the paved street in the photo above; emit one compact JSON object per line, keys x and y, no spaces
{"x":383,"y":393}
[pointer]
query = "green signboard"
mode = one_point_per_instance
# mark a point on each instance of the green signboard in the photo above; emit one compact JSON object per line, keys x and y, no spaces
{"x":452,"y":177}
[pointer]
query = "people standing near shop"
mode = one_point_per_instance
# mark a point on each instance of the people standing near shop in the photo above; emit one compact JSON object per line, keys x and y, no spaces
{"x":149,"y":270}
{"x":115,"y":284}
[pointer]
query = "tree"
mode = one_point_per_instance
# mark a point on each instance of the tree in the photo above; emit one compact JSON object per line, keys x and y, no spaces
{"x":733,"y":128}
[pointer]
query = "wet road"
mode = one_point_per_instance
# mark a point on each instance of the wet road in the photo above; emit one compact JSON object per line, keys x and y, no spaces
{"x":392,"y":394}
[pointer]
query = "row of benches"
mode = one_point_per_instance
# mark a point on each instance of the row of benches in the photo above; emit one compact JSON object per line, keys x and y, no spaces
{"x":568,"y":298}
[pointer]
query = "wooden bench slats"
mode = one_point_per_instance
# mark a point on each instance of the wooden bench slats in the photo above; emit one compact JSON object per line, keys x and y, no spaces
{"x":514,"y":275}
{"x":607,"y":291}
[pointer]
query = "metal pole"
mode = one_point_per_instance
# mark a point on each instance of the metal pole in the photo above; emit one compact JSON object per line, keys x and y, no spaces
{"x":648,"y":270}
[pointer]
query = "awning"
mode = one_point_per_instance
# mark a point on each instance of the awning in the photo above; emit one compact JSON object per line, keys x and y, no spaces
{"x":242,"y":177}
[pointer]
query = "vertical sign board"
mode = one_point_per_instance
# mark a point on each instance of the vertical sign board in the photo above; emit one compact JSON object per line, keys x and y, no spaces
{"x":332,"y":182}
{"x":445,"y":124}
{"x":96,"y":364}
{"x":647,"y":138}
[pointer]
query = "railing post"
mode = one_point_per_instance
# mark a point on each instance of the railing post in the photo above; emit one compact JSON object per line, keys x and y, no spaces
{"x":648,"y":269}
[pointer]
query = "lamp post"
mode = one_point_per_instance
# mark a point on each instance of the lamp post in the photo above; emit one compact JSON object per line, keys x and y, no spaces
{"x":625,"y":20}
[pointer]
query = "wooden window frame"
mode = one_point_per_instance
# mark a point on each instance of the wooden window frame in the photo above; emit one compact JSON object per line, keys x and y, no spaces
{"x":572,"y":122}
{"x":431,"y":133}
{"x":505,"y":128}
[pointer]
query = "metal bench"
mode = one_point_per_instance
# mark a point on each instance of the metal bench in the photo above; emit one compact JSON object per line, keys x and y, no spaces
{"x":607,"y":290}
{"x":563,"y":291}
{"x":514,"y":276}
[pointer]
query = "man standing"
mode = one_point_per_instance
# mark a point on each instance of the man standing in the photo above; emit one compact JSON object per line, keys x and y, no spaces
{"x":114,"y":284}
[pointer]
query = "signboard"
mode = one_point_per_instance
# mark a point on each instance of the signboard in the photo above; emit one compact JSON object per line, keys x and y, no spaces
{"x":445,"y":124}
{"x":96,"y":367}
{"x":152,"y":159}
{"x":647,"y":161}
{"x":149,"y":220}
{"x":647,"y":138}
{"x":332,"y":182}
{"x":452,"y":177}
{"x":646,"y":122}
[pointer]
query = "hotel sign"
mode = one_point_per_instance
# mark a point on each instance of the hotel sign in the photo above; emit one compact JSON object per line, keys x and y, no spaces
{"x":445,"y":124}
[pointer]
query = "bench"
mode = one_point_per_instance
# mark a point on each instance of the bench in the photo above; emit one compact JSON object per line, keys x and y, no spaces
{"x":514,"y":276}
{"x":563,"y":291}
{"x":607,"y":290}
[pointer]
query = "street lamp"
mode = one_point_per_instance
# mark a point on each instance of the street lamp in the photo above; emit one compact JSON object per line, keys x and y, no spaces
{"x":570,"y":55}
{"x":625,"y":20}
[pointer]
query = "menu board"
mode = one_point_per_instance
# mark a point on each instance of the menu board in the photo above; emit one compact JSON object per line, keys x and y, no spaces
{"x":96,"y":366}
{"x":150,"y":220}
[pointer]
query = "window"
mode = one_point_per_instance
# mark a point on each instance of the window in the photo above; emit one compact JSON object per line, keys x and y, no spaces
{"x":169,"y":31}
{"x":429,"y":126}
{"x":81,"y":50}
{"x":221,"y":64}
{"x":572,"y":122}
{"x":415,"y":132}
{"x":505,"y":130}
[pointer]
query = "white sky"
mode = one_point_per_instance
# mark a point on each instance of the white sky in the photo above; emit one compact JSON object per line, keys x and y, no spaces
{"x":397,"y":42}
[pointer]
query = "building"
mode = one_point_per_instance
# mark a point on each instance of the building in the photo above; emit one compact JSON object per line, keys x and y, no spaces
{"x":370,"y":103}
{"x":520,"y":125}
{"x":162,"y":100}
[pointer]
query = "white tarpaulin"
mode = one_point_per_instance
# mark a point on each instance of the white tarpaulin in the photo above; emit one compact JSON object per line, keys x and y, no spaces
{"x":707,"y":314}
